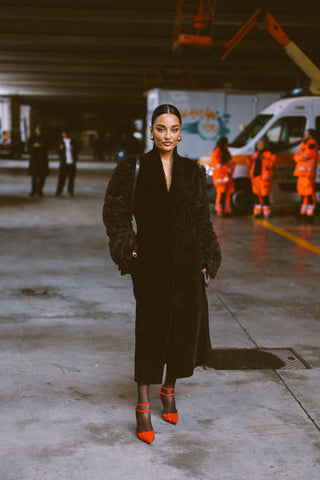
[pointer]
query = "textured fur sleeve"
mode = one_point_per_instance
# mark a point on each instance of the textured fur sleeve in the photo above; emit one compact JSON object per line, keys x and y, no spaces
{"x":211,"y":254}
{"x":117,"y":215}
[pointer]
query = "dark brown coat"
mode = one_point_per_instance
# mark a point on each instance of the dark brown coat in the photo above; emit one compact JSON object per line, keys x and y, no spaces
{"x":174,"y":241}
{"x":38,"y":162}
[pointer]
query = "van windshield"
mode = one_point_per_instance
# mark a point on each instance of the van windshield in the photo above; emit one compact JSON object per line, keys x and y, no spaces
{"x":250,"y":131}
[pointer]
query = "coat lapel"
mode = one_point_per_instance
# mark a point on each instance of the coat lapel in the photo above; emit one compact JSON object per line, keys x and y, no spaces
{"x":160,"y":172}
{"x":153,"y":183}
{"x":177,"y":197}
{"x":179,"y":186}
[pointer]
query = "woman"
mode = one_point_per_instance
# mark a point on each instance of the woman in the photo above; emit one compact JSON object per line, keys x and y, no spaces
{"x":261,"y":166}
{"x":222,"y":167}
{"x":174,"y":246}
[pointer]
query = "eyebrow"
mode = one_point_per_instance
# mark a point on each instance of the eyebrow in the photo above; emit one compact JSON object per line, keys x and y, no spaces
{"x":160,"y":125}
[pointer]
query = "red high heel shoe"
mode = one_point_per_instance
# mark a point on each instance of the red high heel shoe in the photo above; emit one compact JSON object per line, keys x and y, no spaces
{"x":168,"y":417}
{"x":147,"y":437}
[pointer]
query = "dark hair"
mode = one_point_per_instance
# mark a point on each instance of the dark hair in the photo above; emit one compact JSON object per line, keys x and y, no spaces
{"x":165,"y":108}
{"x":312,"y":133}
{"x":266,"y":142}
{"x":222,"y":143}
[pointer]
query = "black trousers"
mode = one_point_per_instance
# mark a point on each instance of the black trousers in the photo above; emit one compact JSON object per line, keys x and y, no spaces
{"x":310,"y":200}
{"x":265,"y":200}
{"x":66,"y":172}
{"x":37,"y":183}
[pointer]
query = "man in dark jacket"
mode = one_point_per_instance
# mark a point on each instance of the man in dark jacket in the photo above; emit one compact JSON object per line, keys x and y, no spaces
{"x":38,"y":163}
{"x":68,"y":154}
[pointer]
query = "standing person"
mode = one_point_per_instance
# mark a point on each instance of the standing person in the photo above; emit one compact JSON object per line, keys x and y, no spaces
{"x":38,"y":162}
{"x":222,"y":176}
{"x":261,"y":166}
{"x":175,"y":246}
{"x":68,"y":154}
{"x":306,"y":160}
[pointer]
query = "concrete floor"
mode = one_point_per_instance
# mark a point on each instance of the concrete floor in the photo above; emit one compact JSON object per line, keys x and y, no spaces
{"x":66,"y":352}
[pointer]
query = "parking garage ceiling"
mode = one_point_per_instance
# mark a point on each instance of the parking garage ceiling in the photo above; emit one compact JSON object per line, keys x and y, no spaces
{"x":110,"y":52}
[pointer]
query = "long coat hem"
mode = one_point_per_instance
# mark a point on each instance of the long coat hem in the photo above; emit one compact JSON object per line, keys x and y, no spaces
{"x":155,"y":380}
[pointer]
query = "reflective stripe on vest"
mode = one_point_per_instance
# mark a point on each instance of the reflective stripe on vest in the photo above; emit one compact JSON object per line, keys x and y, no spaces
{"x":221,"y":180}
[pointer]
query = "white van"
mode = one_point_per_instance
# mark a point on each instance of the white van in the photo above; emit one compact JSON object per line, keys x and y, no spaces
{"x":284,"y":123}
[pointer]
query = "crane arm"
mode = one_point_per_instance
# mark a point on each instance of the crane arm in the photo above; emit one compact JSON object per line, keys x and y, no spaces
{"x":291,"y":49}
{"x":241,"y":33}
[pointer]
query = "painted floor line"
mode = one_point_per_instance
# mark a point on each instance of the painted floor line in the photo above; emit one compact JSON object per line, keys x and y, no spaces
{"x":288,"y":235}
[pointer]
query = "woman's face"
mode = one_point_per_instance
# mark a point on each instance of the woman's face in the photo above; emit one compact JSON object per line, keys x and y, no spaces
{"x":166,"y":131}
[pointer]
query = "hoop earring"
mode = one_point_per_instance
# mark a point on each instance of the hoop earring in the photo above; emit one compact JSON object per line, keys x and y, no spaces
{"x":151,"y":137}
{"x":179,"y":139}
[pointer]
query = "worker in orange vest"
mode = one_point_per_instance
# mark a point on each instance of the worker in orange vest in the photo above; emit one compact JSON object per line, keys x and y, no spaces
{"x":261,"y":167}
{"x":222,"y":167}
{"x":306,"y":160}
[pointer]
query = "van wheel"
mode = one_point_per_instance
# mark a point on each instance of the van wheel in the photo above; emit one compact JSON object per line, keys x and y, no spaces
{"x":242,"y":197}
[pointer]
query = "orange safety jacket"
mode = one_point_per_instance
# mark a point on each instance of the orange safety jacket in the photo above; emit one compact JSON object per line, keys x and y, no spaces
{"x":222,"y":173}
{"x":267,"y":163}
{"x":306,"y":163}
{"x":261,"y":184}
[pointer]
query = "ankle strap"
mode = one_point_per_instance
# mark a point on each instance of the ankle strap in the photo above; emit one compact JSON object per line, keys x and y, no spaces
{"x":143,"y":405}
{"x":167,"y":394}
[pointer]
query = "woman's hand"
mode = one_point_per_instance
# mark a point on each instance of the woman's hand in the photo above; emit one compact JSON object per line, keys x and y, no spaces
{"x":204,"y":270}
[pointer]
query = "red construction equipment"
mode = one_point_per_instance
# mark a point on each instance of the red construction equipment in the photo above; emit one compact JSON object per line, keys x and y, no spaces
{"x":194,"y":22}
